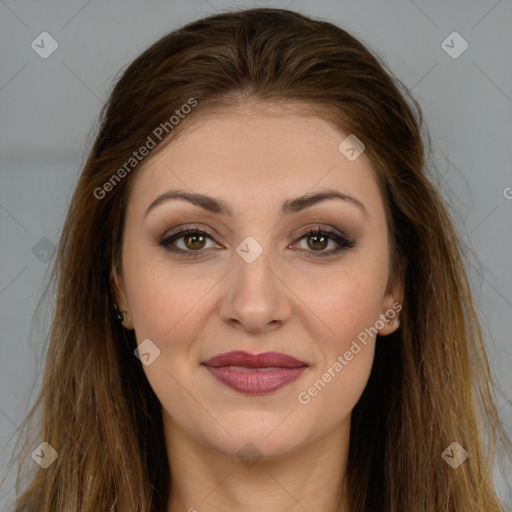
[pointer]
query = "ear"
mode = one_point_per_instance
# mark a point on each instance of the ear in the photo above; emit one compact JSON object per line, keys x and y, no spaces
{"x":120,"y":297}
{"x":392,"y":304}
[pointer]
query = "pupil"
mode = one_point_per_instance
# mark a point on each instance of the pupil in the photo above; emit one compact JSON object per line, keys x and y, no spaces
{"x":192,"y":245}
{"x":321,"y":237}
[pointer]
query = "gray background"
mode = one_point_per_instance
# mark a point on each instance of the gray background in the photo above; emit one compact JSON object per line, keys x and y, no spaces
{"x":48,"y":107}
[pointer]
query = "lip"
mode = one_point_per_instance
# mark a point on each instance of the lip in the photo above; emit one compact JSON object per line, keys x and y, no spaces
{"x":255,"y":374}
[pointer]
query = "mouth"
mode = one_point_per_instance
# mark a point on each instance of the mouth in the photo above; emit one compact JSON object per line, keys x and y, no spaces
{"x":255,"y":374}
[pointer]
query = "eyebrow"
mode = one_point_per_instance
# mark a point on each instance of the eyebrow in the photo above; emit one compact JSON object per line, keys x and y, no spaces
{"x":292,"y":205}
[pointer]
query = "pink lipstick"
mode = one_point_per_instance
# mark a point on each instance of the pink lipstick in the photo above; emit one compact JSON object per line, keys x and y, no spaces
{"x":255,"y":374}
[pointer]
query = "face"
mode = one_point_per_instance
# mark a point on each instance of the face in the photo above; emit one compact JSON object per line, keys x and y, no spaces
{"x":258,"y":324}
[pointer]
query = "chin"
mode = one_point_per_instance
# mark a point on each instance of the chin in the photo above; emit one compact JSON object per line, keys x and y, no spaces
{"x":256,"y":448}
{"x":255,"y":439}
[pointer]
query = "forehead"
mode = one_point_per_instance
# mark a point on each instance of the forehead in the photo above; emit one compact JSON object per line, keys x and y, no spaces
{"x":256,"y":154}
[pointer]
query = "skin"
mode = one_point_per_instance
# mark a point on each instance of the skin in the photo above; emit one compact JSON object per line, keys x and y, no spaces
{"x":254,"y":157}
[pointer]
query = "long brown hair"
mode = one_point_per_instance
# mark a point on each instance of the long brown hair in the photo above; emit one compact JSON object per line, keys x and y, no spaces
{"x":430,"y":384}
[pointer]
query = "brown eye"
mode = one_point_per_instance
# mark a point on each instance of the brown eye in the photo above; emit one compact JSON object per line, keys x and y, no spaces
{"x":317,"y":242}
{"x":195,"y":241}
{"x":189,"y":241}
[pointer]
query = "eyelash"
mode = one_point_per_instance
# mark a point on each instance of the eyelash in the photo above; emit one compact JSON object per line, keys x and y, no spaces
{"x":331,"y":234}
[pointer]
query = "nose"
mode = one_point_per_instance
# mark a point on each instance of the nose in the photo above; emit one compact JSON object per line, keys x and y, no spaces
{"x":256,"y":297}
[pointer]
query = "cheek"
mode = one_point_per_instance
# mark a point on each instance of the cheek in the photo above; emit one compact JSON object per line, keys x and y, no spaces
{"x":337,"y":382}
{"x":351,"y":312}
{"x":347,"y":305}
{"x":350,"y":305}
{"x":170,"y":309}
{"x":330,"y":397}
{"x":165,"y":301}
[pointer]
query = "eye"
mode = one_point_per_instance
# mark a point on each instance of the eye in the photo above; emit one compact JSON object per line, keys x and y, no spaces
{"x":193,"y":240}
{"x":318,"y":239}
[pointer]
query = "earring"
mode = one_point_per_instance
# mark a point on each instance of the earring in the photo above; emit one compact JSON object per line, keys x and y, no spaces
{"x":391,"y":320}
{"x":120,"y":315}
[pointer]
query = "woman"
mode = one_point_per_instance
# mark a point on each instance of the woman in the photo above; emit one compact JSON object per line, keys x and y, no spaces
{"x":262,"y":302}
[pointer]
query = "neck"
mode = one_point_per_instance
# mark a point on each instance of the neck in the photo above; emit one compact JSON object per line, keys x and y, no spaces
{"x":310,"y":477}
